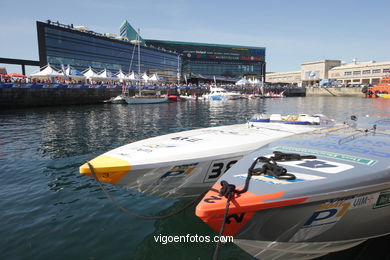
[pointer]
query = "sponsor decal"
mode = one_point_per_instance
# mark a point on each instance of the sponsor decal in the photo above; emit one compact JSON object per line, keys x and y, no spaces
{"x":383,"y":199}
{"x":319,"y":165}
{"x":157,"y":146}
{"x":324,"y":217}
{"x":188,"y":139}
{"x":328,"y":214}
{"x":364,"y":201}
{"x":270,"y":179}
{"x":148,"y":148}
{"x":344,"y":157}
{"x":180,"y":170}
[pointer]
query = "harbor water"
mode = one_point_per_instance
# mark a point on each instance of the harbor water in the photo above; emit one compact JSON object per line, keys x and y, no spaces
{"x":49,"y":211}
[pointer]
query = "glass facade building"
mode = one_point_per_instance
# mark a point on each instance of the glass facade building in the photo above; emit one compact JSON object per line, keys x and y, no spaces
{"x":62,"y":45}
{"x":200,"y":59}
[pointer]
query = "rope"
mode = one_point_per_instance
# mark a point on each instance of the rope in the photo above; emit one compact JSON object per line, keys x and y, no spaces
{"x":269,"y":167}
{"x":229,"y":194}
{"x":132,"y":213}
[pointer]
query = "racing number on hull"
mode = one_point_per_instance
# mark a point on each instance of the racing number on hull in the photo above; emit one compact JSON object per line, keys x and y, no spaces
{"x":219,"y":167}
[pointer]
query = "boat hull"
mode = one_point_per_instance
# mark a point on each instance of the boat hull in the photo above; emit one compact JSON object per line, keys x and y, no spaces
{"x":143,"y":100}
{"x":311,"y":230}
{"x":187,"y":163}
{"x":339,"y":195}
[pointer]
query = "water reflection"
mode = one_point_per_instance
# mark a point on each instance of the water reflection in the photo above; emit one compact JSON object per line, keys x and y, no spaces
{"x":50,"y":211}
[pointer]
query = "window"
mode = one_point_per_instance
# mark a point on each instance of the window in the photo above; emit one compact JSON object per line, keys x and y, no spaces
{"x":386,"y":70}
{"x":347,"y":73}
{"x":376,"y":71}
{"x":366,"y":71}
{"x":358,"y":72}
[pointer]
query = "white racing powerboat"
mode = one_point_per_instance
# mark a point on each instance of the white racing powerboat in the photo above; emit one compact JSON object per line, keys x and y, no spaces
{"x":221,"y":94}
{"x":308,"y":195}
{"x":184,"y":164}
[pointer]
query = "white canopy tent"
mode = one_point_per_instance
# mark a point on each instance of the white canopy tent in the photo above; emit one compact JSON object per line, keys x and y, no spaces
{"x":242,"y":82}
{"x":121,"y":76}
{"x":254,"y":81}
{"x":133,"y":76}
{"x":155,"y":77}
{"x":47,"y":72}
{"x":107,"y":75}
{"x":73,"y":73}
{"x":90,"y":74}
{"x":145,"y":77}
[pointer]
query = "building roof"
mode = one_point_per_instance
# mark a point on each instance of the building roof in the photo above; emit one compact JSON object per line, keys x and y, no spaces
{"x":128,"y":31}
{"x":205,"y":44}
{"x":317,"y":61}
{"x":361,"y":65}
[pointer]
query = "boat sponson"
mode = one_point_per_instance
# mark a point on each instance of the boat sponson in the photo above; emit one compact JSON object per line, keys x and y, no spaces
{"x":242,"y":206}
{"x":107,"y":169}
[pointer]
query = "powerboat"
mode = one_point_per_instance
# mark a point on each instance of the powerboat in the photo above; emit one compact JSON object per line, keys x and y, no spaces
{"x":146,"y":97}
{"x":184,"y":164}
{"x":307,"y":195}
{"x":118,"y":100}
{"x":382,"y":90}
{"x":221,"y":94}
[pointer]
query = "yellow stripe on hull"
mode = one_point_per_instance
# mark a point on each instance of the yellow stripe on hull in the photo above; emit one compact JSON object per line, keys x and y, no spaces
{"x":384,"y":95}
{"x":107,"y":169}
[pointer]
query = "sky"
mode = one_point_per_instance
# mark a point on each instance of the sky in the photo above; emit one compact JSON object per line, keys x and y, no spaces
{"x":292,"y":31}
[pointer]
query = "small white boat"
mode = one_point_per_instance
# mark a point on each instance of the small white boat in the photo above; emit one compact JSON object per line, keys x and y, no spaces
{"x":307,"y":195}
{"x":221,"y":94}
{"x":192,"y":97}
{"x":187,"y":163}
{"x":118,"y":100}
{"x":146,"y":99}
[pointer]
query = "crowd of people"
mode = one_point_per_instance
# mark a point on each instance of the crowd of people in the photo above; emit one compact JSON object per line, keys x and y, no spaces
{"x":74,"y":82}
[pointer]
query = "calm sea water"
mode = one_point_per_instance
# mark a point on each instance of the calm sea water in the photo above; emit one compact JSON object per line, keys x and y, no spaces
{"x":49,"y":211}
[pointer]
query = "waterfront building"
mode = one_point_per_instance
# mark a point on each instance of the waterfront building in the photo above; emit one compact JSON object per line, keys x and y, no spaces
{"x":333,"y":72}
{"x":205,"y":61}
{"x":290,"y":77}
{"x":360,"y":72}
{"x":81,"y":48}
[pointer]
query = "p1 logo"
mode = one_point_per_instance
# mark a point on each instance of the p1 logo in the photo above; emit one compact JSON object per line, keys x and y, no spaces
{"x":180,"y":170}
{"x":323,"y":218}
{"x":328,"y":213}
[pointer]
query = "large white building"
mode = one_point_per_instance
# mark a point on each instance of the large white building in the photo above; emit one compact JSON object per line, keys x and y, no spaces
{"x":315,"y":73}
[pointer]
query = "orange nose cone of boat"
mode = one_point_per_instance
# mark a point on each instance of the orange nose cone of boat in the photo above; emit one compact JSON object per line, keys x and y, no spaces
{"x":107,"y":169}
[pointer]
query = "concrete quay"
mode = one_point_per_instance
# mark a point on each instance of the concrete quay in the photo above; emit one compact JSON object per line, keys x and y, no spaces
{"x":334,"y":92}
{"x":29,"y":97}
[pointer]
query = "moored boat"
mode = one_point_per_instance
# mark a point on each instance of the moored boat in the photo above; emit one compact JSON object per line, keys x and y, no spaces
{"x":221,"y":94}
{"x":187,"y":163}
{"x":382,"y":90}
{"x":121,"y":99}
{"x":147,"y":97}
{"x":306,"y":196}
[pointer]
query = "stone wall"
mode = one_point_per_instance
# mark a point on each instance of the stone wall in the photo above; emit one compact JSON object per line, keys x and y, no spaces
{"x":30,"y":97}
{"x":335,"y":92}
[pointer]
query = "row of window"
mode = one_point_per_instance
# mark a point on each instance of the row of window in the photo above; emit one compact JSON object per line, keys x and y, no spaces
{"x":82,"y":51}
{"x":365,"y":72}
{"x":228,"y":70}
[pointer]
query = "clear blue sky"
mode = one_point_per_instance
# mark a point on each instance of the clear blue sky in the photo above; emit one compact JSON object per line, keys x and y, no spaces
{"x":293,"y":31}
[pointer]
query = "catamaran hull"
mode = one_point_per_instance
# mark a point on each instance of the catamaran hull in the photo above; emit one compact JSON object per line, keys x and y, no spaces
{"x":187,"y":163}
{"x":338,"y":196}
{"x":315,"y":229}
